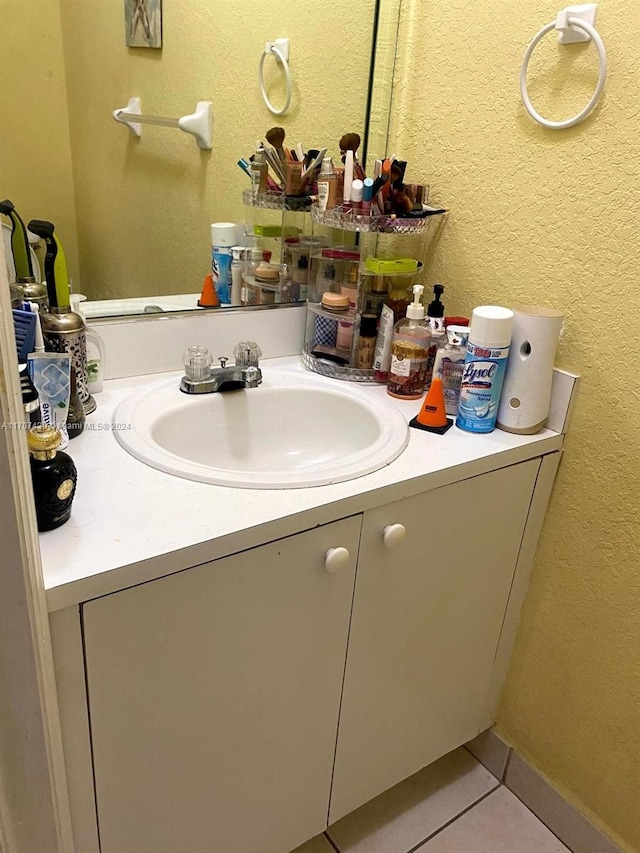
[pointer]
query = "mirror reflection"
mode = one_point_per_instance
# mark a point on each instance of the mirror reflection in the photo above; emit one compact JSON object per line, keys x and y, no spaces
{"x":134,"y":213}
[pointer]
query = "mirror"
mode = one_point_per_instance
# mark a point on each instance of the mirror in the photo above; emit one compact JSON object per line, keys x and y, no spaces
{"x":134,"y":213}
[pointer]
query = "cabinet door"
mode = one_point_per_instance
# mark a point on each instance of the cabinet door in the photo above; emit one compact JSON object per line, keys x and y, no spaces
{"x":426,"y":621}
{"x":214,"y":697}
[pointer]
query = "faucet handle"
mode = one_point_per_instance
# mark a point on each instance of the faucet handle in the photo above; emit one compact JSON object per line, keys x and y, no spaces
{"x":247,"y":354}
{"x":197,"y":363}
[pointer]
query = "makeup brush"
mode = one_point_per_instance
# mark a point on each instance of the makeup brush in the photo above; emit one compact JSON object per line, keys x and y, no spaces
{"x":313,"y":165}
{"x":310,"y":156}
{"x":351,"y":142}
{"x":274,"y":161}
{"x":275,"y":136}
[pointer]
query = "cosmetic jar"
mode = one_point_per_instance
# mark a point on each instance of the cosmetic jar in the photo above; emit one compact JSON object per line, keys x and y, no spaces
{"x":326,"y":328}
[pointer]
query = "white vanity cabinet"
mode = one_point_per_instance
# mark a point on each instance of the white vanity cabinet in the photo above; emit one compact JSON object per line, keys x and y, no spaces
{"x":244,"y":704}
{"x":214,"y":696}
{"x":427,"y":616}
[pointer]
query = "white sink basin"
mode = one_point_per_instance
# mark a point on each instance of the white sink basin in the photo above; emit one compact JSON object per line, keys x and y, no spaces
{"x":294,"y":430}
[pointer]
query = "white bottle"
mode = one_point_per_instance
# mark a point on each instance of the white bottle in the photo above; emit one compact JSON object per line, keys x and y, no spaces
{"x":238,"y":255}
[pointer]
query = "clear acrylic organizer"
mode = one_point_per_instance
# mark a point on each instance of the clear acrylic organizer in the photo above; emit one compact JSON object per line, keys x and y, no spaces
{"x":364,"y":235}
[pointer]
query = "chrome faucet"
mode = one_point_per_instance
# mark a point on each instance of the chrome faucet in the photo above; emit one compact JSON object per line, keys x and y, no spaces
{"x":201,"y":378}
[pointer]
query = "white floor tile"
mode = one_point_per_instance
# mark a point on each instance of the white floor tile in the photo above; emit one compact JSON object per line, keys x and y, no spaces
{"x":402,"y":817}
{"x":499,"y":824}
{"x":319,"y":844}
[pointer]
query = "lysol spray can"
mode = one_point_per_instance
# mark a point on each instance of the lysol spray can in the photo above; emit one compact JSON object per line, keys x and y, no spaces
{"x":484,"y":368}
{"x":223,"y":237}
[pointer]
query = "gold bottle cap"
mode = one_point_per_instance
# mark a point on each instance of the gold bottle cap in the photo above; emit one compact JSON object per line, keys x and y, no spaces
{"x":43,"y":439}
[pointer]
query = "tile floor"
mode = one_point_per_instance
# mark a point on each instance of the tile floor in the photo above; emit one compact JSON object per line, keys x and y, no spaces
{"x":453,"y":806}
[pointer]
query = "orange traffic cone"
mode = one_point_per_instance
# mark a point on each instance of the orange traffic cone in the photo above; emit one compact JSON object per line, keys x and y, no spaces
{"x":432,"y":416}
{"x":208,"y":297}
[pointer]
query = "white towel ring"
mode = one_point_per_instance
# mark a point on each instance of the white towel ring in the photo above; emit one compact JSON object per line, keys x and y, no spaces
{"x":287,"y":76}
{"x":602,"y":54}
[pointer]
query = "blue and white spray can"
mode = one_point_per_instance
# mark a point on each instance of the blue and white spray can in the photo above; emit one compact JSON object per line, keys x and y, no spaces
{"x":484,"y":368}
{"x":223,"y":237}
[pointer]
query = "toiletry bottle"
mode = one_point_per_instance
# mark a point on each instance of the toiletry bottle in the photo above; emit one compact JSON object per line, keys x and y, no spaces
{"x":300,"y":277}
{"x":449,"y":366}
{"x":410,"y":352}
{"x":435,"y":319}
{"x":327,"y":276}
{"x":377,"y":295}
{"x":384,"y":341}
{"x":366,"y":341}
{"x":223,"y":237}
{"x":258,"y":171}
{"x":349,"y":284}
{"x":54,"y":477}
{"x":484,"y":368}
{"x":399,"y":297}
{"x":238,"y":260}
{"x":357,"y":188}
{"x":327,"y":186}
{"x":293,"y":173}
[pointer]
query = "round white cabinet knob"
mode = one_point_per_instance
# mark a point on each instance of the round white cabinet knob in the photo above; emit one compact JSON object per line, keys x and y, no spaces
{"x":393,"y":534}
{"x":336,"y":559}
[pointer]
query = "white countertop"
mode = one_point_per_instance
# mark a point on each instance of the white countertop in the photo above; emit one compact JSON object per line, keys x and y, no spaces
{"x":131,"y":523}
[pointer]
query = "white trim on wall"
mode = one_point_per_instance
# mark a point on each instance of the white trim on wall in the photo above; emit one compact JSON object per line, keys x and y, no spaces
{"x":34,"y":808}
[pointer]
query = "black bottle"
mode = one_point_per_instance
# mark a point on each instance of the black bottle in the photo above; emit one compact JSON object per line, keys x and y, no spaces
{"x":54,"y":477}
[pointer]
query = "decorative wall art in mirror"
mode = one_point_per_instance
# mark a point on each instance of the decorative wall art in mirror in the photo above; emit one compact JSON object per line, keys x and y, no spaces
{"x":143,"y":23}
{"x":134,"y":212}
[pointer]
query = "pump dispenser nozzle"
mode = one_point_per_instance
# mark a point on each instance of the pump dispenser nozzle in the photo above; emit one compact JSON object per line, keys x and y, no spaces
{"x":436,"y":308}
{"x":415,"y":311}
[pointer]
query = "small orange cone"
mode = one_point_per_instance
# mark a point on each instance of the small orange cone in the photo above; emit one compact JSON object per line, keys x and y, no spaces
{"x":432,"y":416}
{"x":208,"y":297}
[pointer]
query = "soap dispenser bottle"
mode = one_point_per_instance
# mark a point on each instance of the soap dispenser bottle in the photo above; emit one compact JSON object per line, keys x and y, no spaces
{"x":435,"y":318}
{"x":410,"y":352}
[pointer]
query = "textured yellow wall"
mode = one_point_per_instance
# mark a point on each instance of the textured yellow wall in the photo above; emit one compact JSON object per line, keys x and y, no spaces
{"x":553,"y":218}
{"x":35,"y":155}
{"x":144,"y":206}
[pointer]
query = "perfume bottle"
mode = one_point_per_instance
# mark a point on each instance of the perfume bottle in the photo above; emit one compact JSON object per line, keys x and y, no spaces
{"x":54,"y":477}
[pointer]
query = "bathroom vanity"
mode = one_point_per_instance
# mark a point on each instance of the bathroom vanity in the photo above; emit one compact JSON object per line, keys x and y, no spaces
{"x":237,"y":668}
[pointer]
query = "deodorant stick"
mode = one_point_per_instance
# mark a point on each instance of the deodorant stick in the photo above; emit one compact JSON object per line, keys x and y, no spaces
{"x":484,"y":368}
